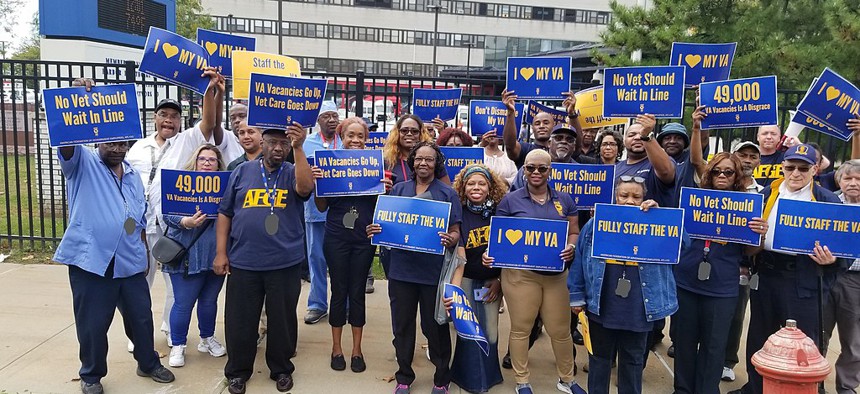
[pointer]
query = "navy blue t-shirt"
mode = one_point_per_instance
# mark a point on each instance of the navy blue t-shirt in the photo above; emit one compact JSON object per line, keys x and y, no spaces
{"x":338,"y":207}
{"x":525,"y":148}
{"x":619,"y":313}
{"x":474,"y":237}
{"x":725,"y":259}
{"x":247,"y":202}
{"x":418,"y":267}
{"x":770,"y":168}
{"x":400,"y":172}
{"x":658,"y":191}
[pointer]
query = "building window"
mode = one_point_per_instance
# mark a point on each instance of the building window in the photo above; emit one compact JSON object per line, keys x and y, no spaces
{"x":372,"y":3}
{"x":543,"y":13}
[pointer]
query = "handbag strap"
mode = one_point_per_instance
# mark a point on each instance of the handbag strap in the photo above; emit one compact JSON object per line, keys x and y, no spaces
{"x":199,"y":233}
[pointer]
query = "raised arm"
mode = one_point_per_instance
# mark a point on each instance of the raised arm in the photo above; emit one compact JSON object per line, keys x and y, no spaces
{"x":854,"y":125}
{"x":210,"y":105}
{"x":509,"y":134}
{"x":304,"y":175}
{"x":663,"y":165}
{"x":697,"y":158}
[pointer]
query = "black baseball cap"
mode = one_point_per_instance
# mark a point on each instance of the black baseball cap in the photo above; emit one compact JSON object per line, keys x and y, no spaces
{"x":169,"y":103}
{"x":269,"y":131}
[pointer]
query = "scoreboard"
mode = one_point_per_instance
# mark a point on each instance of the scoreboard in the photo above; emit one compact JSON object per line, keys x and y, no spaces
{"x":122,"y":22}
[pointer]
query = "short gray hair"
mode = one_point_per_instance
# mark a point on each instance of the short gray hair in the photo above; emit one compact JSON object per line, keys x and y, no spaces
{"x":846,"y":167}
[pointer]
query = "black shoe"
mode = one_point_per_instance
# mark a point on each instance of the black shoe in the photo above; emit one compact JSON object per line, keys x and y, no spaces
{"x":92,"y":388}
{"x":356,"y":364}
{"x":314,"y":316}
{"x":159,"y":374}
{"x":671,"y":351}
{"x":368,"y":286}
{"x":338,"y":363}
{"x":738,"y":391}
{"x":236,"y":386}
{"x":283,"y":382}
{"x":506,"y":361}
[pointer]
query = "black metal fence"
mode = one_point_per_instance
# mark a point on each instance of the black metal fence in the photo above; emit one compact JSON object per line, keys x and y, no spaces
{"x":33,"y":210}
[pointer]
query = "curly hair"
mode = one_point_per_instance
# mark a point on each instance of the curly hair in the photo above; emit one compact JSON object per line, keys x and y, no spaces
{"x":440,"y":159}
{"x":619,"y":142}
{"x":498,"y":186}
{"x":708,"y":180}
{"x":450,"y":133}
{"x":343,"y":125}
{"x":191,"y":164}
{"x":391,"y":152}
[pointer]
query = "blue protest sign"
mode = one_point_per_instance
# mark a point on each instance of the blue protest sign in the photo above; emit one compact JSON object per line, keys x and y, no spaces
{"x":220,"y":47}
{"x":277,"y":101}
{"x":348,"y":172}
{"x":527,"y":243}
{"x":186,"y":192}
{"x":703,"y":62}
{"x":632,"y":91}
{"x":811,"y":123}
{"x":718,"y":215}
{"x":535,"y":108}
{"x":411,"y":223}
{"x":106,"y":113}
{"x":588,"y":184}
{"x":832,"y":100}
{"x":174,"y":58}
{"x":428,"y":104}
{"x":744,"y":102}
{"x":801,"y":225}
{"x":456,"y":158}
{"x":486,"y":116}
{"x":624,"y":232}
{"x":464,"y":318}
{"x":376,"y":139}
{"x":533,"y":78}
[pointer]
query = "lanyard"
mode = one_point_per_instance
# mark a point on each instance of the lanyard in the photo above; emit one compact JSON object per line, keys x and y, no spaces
{"x":269,"y":193}
{"x":706,"y":250}
{"x":118,"y":184}
{"x":403,"y":169}
{"x":156,"y":162}
{"x":325,"y":142}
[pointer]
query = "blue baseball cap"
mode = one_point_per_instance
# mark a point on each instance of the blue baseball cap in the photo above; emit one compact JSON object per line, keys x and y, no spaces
{"x":802,"y":152}
{"x":674,"y":128}
{"x":564,"y":128}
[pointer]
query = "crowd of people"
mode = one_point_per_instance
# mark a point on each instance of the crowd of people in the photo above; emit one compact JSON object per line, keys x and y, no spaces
{"x":270,"y":224}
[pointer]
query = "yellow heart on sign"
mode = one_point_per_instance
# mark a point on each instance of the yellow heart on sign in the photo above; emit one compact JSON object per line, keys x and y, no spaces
{"x":211,"y":47}
{"x":513,"y":236}
{"x":527,"y":72}
{"x":692,"y":60}
{"x":169,"y":50}
{"x":832,"y":93}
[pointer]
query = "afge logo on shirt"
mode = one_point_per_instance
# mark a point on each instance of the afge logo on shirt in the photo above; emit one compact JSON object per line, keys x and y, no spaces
{"x":258,"y":198}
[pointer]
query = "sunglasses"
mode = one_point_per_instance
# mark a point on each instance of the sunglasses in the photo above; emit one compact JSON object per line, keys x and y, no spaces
{"x":569,"y":138}
{"x":532,"y":168}
{"x":410,"y":131}
{"x":628,"y":178}
{"x":790,"y":169}
{"x":715,"y":172}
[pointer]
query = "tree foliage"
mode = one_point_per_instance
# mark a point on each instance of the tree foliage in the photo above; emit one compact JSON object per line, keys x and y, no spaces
{"x":190,"y":15}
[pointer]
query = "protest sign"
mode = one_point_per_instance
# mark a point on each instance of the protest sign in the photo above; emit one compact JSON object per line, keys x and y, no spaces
{"x":411,"y":223}
{"x":428,"y":104}
{"x":464,"y":318}
{"x":719,"y":215}
{"x":376,"y":139}
{"x":220,"y":47}
{"x":627,"y":233}
{"x":486,"y":116}
{"x":832,"y":100}
{"x":277,"y":102}
{"x":747,"y":102}
{"x":703,"y":62}
{"x":588,"y":184}
{"x":533,"y":78}
{"x":176,"y":59}
{"x":247,"y":62}
{"x":802,"y":225}
{"x":349,"y":172}
{"x":632,"y":91}
{"x":186,"y":192}
{"x":809,"y":122}
{"x":535,"y":108}
{"x":589,"y":103}
{"x":527,"y":243}
{"x":456,"y":158}
{"x":104,"y":114}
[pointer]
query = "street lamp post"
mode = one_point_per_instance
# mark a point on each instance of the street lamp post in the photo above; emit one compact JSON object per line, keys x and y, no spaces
{"x":436,"y":8}
{"x":280,"y":27}
{"x":469,"y":46}
{"x":230,"y":23}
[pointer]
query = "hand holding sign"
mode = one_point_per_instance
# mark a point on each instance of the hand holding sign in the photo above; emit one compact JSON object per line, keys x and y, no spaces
{"x":297,"y":134}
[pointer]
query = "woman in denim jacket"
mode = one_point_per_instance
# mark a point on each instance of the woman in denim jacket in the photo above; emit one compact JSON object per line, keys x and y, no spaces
{"x":193,"y":280}
{"x":619,"y":325}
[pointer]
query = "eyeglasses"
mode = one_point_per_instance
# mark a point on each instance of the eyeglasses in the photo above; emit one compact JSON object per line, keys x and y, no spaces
{"x":425,"y":160}
{"x":629,"y":178}
{"x":609,"y":144}
{"x":410,"y":131}
{"x":569,"y":138}
{"x":790,"y":169}
{"x":715,"y":172}
{"x":207,"y":160}
{"x":532,"y":168}
{"x":162,"y":114}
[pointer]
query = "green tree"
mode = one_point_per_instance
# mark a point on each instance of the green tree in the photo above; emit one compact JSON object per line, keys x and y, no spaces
{"x":843,"y":21}
{"x":8,"y":21}
{"x":30,"y":48}
{"x":190,"y":15}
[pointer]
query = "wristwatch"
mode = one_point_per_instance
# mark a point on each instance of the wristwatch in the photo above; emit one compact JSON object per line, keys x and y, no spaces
{"x":645,"y":138}
{"x":574,"y":115}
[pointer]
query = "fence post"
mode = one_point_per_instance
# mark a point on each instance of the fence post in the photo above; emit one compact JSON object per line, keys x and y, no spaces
{"x":359,"y":93}
{"x":129,"y":71}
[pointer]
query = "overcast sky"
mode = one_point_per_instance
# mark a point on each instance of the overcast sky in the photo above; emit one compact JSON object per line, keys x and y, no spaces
{"x":24,"y":16}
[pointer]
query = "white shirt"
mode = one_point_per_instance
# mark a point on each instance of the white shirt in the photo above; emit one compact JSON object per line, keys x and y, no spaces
{"x":804,"y":194}
{"x":501,"y":165}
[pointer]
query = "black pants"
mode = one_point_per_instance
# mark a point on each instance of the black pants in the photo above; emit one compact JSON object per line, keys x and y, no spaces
{"x":246,"y":293}
{"x":629,"y":346}
{"x":737,"y":328}
{"x":700,"y":341}
{"x":348,"y":264}
{"x":405,"y":299}
{"x":95,"y":300}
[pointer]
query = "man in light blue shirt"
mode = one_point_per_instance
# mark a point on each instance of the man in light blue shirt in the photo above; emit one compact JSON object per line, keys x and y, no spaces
{"x":325,"y":138}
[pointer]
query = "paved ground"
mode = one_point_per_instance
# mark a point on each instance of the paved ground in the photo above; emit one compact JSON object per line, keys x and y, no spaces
{"x":38,"y":349}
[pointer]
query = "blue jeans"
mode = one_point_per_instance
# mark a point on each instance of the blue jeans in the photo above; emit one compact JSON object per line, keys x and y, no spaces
{"x":202,"y":289}
{"x":318,"y":298}
{"x":606,"y":343}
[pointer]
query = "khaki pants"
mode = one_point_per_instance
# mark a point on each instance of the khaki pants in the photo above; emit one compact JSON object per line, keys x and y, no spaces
{"x":528,"y":293}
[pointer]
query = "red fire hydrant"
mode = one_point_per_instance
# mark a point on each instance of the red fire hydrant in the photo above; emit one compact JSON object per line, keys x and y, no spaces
{"x":789,"y":363}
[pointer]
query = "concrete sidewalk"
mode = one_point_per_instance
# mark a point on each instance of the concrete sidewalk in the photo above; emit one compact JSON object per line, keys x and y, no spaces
{"x":38,"y":349}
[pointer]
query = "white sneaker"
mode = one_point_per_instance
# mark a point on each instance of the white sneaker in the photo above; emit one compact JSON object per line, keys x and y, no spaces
{"x":212,"y":346}
{"x":130,"y":346}
{"x":728,"y":375}
{"x":177,"y":356}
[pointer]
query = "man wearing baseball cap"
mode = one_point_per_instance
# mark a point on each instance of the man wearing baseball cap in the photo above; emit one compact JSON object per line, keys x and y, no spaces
{"x":789,"y":283}
{"x":674,"y":140}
